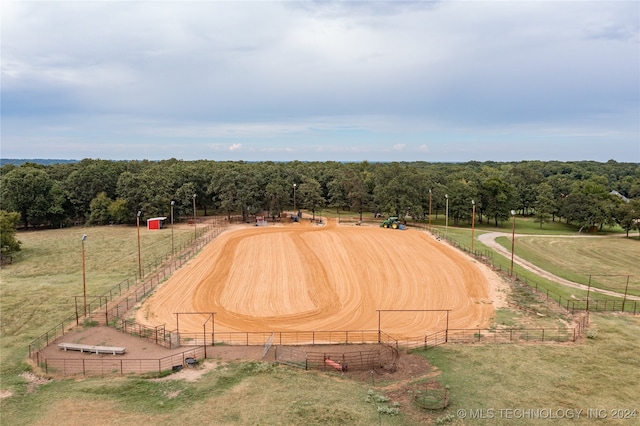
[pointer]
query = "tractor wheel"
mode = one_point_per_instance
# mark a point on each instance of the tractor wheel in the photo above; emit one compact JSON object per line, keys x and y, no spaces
{"x":394,"y":225}
{"x":385,"y":225}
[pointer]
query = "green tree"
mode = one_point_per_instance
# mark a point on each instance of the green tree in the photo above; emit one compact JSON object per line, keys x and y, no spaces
{"x":118,"y":211}
{"x":635,"y":206}
{"x":545,"y":204}
{"x":222,"y":187}
{"x":148,"y":191}
{"x":236,"y":189}
{"x":250,"y":197}
{"x":350,"y":188}
{"x":560,"y":188}
{"x":396,"y":190}
{"x":277,"y":190}
{"x":8,"y":241}
{"x":601,"y":202}
{"x":438,"y":199}
{"x":184,"y":200}
{"x":310,"y":194}
{"x":627,"y":215}
{"x":584,"y":210}
{"x":525,"y":178}
{"x":337,"y":193}
{"x":27,"y":190}
{"x":460,"y":194}
{"x":91,"y":178}
{"x":130,"y":188}
{"x":277,"y":195}
{"x":57,"y":213}
{"x":99,"y":210}
{"x":157,"y":191}
{"x":199,"y":173}
{"x":496,"y":197}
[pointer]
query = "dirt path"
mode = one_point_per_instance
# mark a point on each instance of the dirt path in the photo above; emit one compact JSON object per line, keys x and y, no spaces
{"x":489,"y":239}
{"x":301,"y":277}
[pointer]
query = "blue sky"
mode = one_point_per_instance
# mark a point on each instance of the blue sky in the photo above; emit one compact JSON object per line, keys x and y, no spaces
{"x":344,"y":81}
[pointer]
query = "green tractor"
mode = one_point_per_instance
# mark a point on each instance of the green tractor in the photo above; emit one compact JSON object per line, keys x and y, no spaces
{"x":393,"y":223}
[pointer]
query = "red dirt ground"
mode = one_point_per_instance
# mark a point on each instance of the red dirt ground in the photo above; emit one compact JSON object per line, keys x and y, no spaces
{"x":135,"y":347}
{"x":301,"y":277}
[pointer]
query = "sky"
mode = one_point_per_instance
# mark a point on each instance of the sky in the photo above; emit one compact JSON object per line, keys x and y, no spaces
{"x":448,"y":81}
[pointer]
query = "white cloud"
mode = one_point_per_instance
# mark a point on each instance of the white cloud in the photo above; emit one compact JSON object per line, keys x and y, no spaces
{"x":324,"y":77}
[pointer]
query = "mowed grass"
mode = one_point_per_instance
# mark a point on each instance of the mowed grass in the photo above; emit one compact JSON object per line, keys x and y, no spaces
{"x":606,"y":262}
{"x":524,"y":225}
{"x":599,"y":372}
{"x":462,"y":237}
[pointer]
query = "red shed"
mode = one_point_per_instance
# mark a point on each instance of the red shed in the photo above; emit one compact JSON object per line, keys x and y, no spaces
{"x":155,"y":222}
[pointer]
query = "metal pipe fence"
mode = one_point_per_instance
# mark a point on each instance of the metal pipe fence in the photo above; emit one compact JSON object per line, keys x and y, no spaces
{"x":108,"y":308}
{"x":300,"y":338}
{"x":157,"y":335}
{"x":111,"y":366}
{"x":281,"y":338}
{"x":286,"y":345}
{"x":501,"y":335}
{"x":601,"y":305}
{"x":355,"y":360}
{"x":111,"y":307}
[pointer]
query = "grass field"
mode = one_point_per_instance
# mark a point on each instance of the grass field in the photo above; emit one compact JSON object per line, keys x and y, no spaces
{"x":605,"y":260}
{"x":38,"y":289}
{"x":600,"y":372}
{"x":587,"y":260}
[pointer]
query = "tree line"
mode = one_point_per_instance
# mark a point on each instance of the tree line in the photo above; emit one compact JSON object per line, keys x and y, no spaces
{"x":585,"y":194}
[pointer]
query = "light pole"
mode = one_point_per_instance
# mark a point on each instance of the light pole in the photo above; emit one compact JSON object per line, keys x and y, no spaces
{"x":84,"y":279}
{"x":446,"y":220}
{"x":430,"y":199}
{"x":195,"y":230}
{"x":172,"y":204}
{"x":473,"y":222}
{"x":513,"y":239}
{"x":294,"y":199}
{"x":139,"y":257}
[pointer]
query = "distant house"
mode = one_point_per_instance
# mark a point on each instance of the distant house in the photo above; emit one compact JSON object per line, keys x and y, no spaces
{"x":155,"y":222}
{"x":619,"y":195}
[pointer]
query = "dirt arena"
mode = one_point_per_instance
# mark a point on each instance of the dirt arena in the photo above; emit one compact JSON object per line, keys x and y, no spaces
{"x":304,"y":277}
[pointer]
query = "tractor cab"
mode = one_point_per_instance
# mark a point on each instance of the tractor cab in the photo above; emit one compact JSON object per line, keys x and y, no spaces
{"x":393,"y":222}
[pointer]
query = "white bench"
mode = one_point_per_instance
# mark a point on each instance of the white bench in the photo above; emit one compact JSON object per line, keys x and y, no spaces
{"x":115,"y":350}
